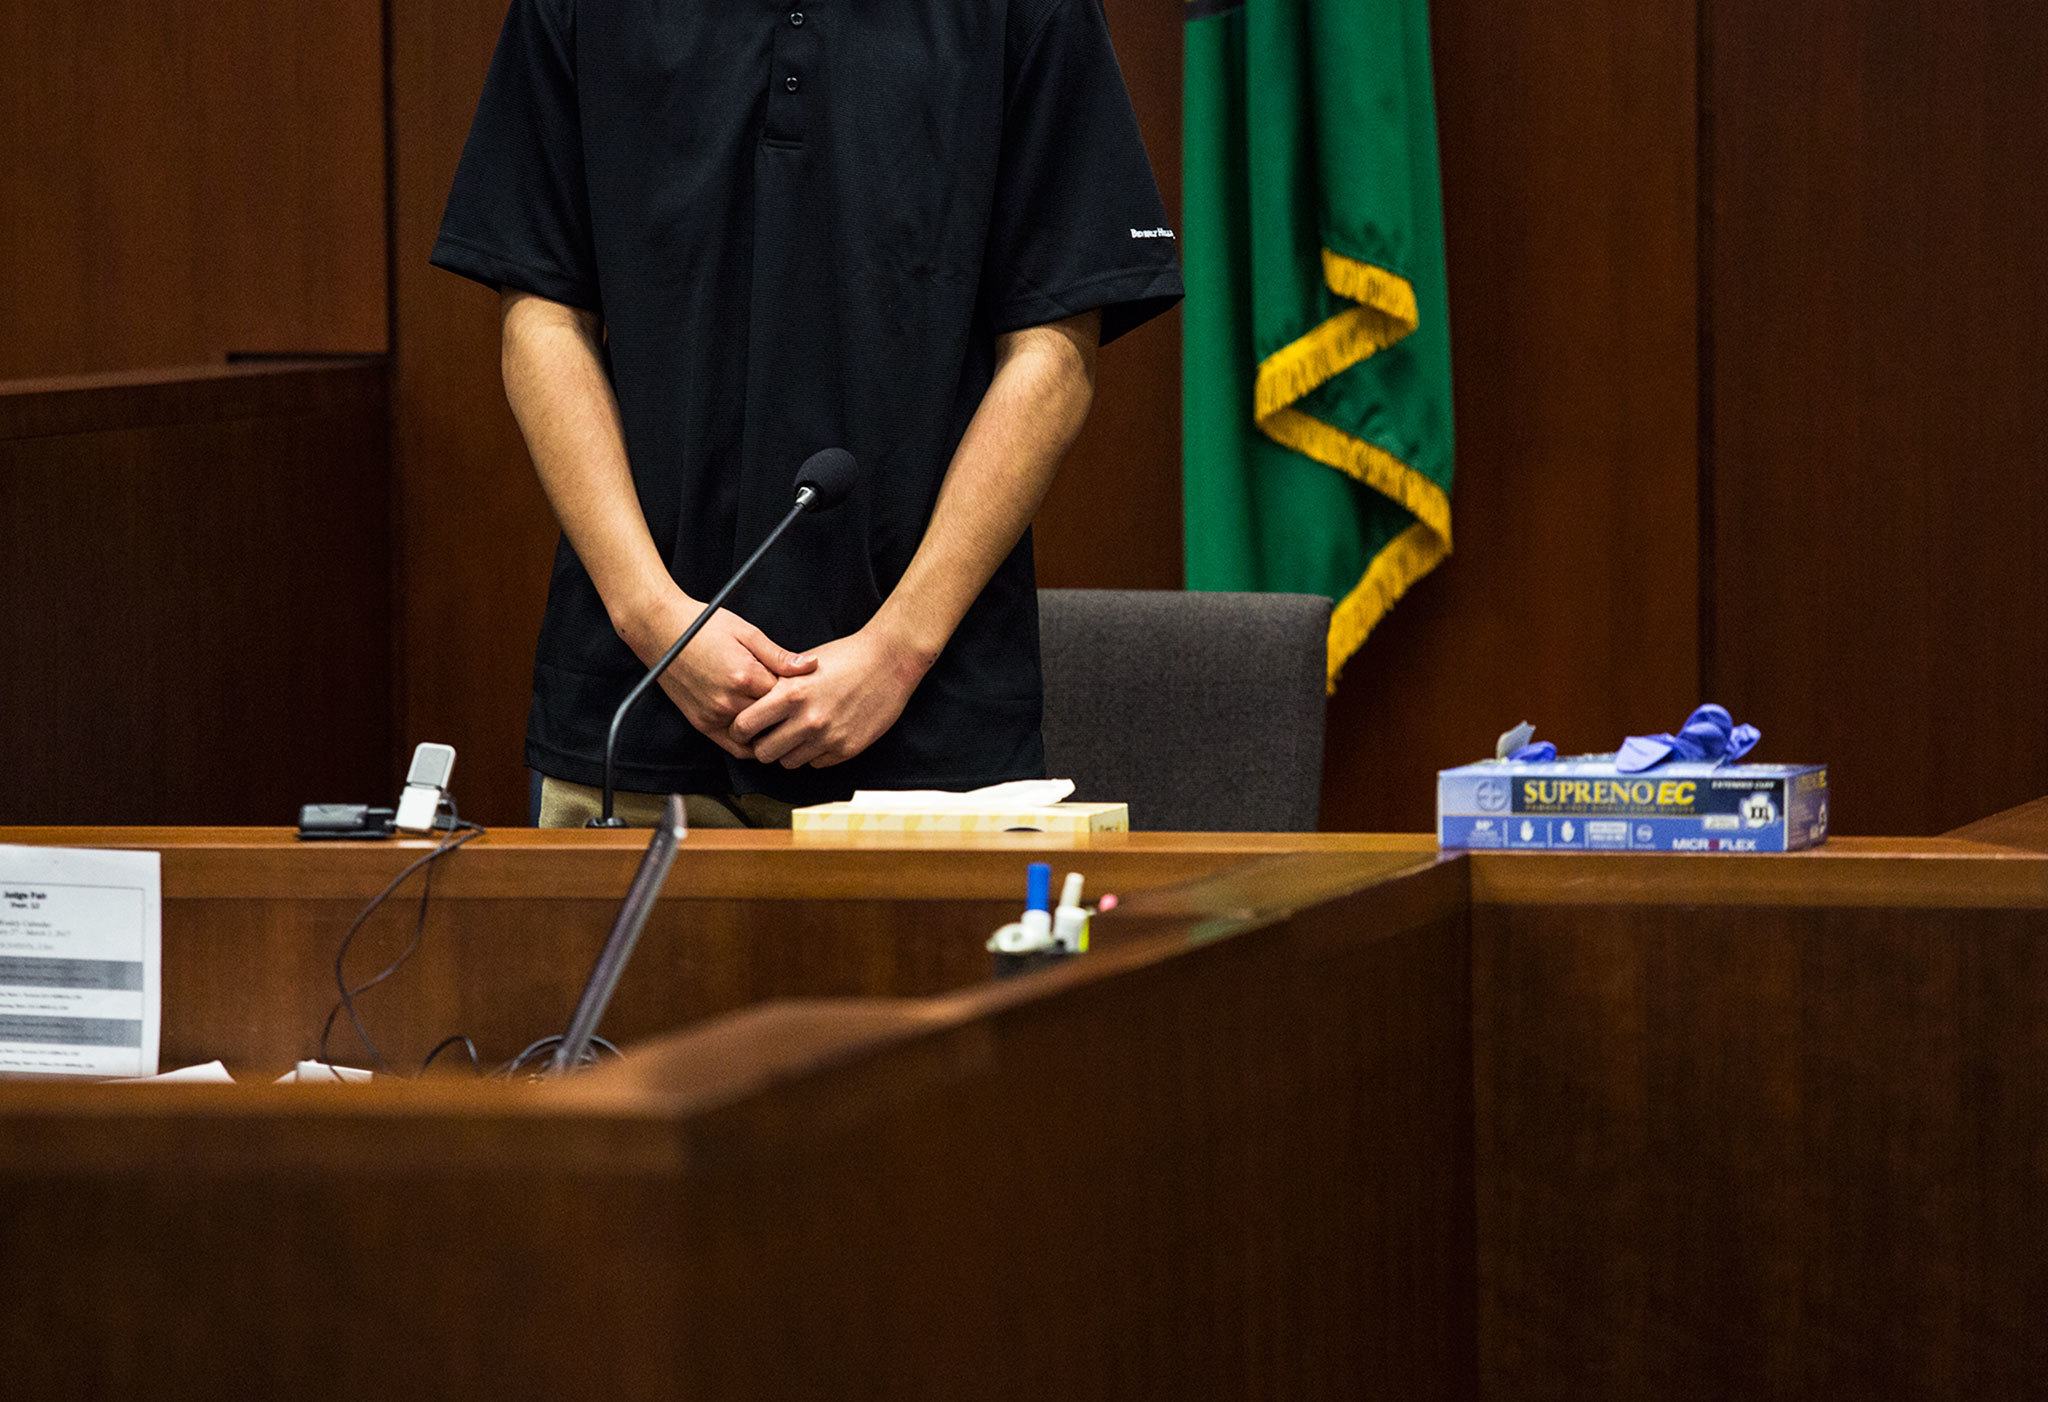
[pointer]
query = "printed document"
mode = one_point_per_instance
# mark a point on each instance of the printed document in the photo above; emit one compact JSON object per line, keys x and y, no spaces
{"x":81,"y":961}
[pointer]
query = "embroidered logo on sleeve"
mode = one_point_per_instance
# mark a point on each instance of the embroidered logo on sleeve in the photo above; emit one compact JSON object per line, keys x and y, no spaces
{"x":1151,"y":233}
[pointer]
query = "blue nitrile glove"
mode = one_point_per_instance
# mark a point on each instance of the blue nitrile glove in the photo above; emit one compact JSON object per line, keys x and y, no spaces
{"x":1709,"y":734}
{"x":1513,"y":746}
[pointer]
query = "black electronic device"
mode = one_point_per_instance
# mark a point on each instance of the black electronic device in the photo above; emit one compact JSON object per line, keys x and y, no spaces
{"x":618,"y":945}
{"x":419,"y":810}
{"x":336,"y":821}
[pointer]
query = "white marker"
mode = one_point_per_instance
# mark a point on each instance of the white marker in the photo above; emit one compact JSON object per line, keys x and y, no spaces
{"x":1070,"y":921}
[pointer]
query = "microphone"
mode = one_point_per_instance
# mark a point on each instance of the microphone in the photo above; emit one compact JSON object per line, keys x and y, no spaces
{"x":827,"y":478}
{"x":830,"y":476}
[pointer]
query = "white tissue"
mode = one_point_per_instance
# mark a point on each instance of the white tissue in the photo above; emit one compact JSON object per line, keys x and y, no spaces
{"x":1017,"y":796}
{"x":317,"y":1072}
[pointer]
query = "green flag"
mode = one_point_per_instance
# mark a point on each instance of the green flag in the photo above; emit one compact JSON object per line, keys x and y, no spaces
{"x":1317,"y":365}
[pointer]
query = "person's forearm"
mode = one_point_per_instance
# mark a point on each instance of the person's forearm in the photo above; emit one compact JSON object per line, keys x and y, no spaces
{"x":1043,"y":386}
{"x":556,"y":384}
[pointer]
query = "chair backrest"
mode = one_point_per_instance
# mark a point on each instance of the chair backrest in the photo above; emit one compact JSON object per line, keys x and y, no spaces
{"x":1204,"y":712}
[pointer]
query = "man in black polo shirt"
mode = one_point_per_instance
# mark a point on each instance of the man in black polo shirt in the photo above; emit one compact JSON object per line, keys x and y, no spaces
{"x":729,"y":235}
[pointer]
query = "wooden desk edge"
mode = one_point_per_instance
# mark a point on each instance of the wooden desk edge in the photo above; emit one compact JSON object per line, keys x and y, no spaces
{"x":258,"y":863}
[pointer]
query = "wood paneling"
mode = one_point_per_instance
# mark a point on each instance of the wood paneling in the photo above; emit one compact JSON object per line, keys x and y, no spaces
{"x":1790,"y":1152}
{"x":197,"y":594}
{"x":186,"y":178}
{"x":1880,"y":581}
{"x":296,"y":1242}
{"x":1258,"y":1139}
{"x":1895,"y":872}
{"x":1511,"y":1125}
{"x":1238,"y":1166}
{"x":1112,"y":520}
{"x":253,"y":920}
{"x":476,"y":537}
{"x":2024,"y":826}
{"x":194,"y":177}
{"x":266,"y":863}
{"x":1567,"y":139}
{"x":1870,"y":570}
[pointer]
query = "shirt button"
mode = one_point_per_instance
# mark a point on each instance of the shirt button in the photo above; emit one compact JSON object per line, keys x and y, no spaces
{"x":796,"y":17}
{"x":791,"y":84}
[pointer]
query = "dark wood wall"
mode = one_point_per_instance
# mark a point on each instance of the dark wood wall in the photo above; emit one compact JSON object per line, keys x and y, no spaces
{"x":1745,"y":336}
{"x":1113,"y":518}
{"x":1567,"y":135}
{"x":195,"y":559}
{"x":184,"y":178}
{"x":1746,"y":394}
{"x":1878,"y":585}
{"x":196,"y":578}
{"x":476,"y":537}
{"x":1748,"y":349}
{"x":1761,"y":1135}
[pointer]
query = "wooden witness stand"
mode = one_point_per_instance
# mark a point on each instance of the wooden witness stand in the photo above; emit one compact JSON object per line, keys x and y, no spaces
{"x":1320,"y":1117}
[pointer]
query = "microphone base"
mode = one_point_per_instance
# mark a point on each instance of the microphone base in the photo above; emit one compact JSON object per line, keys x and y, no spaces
{"x":611,"y":822}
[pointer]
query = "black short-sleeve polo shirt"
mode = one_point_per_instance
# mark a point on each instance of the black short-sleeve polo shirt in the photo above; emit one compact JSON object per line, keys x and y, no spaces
{"x":804,"y":225}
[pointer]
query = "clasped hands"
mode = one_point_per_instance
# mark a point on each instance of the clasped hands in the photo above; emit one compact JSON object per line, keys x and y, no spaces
{"x":757,"y":700}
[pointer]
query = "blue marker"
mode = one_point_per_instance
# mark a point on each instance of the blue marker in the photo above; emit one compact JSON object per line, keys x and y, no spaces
{"x":1038,"y":886}
{"x":1037,"y":920}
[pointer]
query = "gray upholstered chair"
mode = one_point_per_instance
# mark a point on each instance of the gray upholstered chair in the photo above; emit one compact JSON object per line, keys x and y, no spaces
{"x":1204,"y":712}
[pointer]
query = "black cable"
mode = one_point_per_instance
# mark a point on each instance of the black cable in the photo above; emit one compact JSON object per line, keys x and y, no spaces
{"x":538,"y":1052}
{"x":460,"y":833}
{"x":347,"y":995}
{"x":475,"y":1063}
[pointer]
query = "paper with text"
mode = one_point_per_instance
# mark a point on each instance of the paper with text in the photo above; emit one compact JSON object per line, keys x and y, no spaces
{"x":81,"y":961}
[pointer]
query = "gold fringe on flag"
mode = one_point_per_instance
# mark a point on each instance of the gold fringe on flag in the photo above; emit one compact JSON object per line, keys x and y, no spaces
{"x":1384,"y":313}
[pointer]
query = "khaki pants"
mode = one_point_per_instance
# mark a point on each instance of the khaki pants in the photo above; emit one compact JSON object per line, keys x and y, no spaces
{"x":567,"y":805}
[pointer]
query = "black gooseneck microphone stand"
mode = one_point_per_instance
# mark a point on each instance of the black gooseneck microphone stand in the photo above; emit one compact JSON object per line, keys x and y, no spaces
{"x":805,"y":495}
